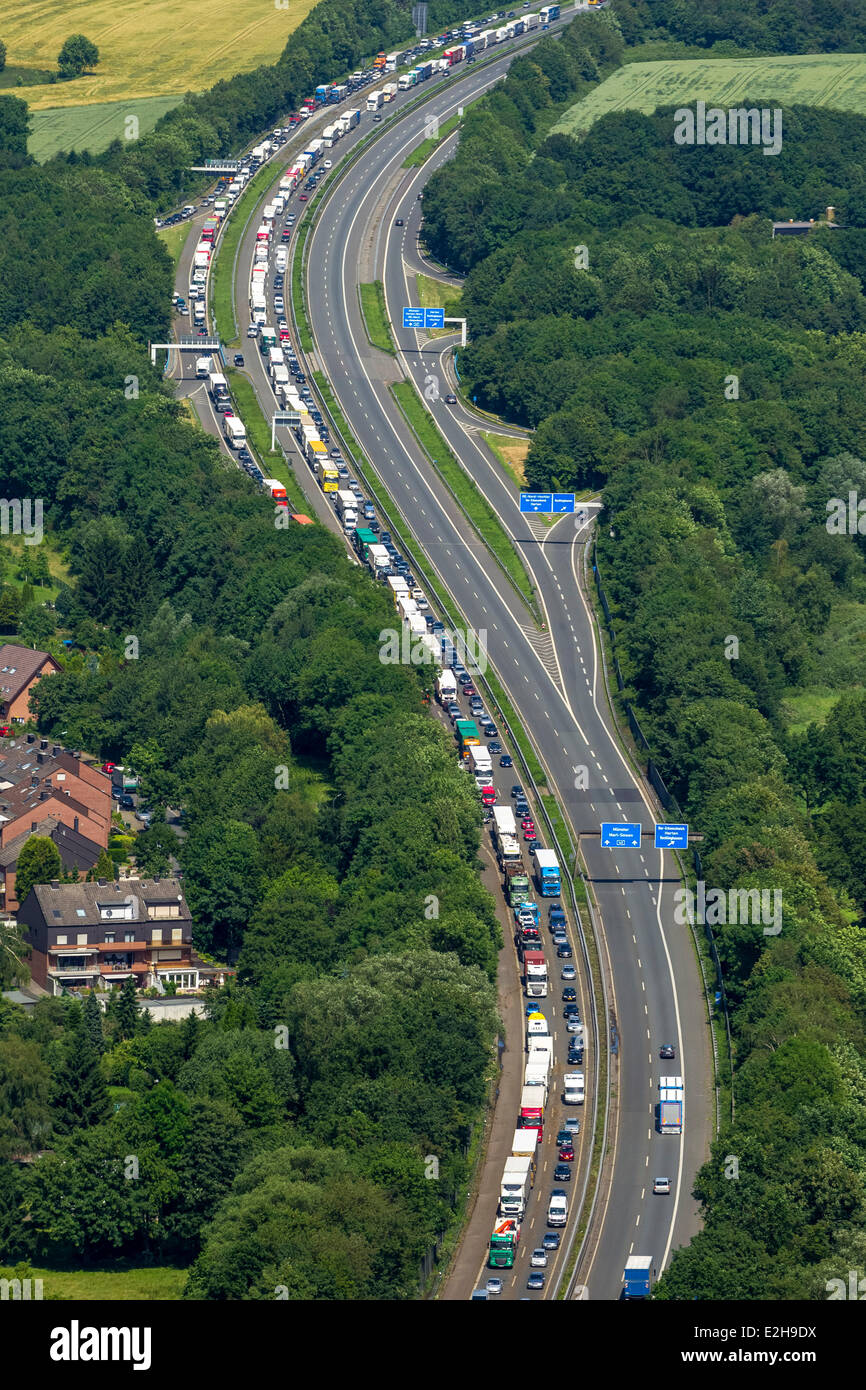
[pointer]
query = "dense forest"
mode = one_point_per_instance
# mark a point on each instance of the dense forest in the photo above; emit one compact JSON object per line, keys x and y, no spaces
{"x":708,"y":379}
{"x":330,"y":844}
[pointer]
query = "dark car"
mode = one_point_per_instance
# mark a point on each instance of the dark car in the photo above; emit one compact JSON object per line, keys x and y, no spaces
{"x":450,"y":400}
{"x":505,"y":760}
{"x":562,"y":1173}
{"x":522,"y":808}
{"x":490,"y":729}
{"x":668,"y":1052}
{"x":536,"y":1278}
{"x":454,"y":712}
{"x":469,"y":688}
{"x":569,"y":995}
{"x":244,"y":455}
{"x":517,"y":791}
{"x":566,"y":1151}
{"x":571,"y":1010}
{"x":398,"y":222}
{"x":551,"y":1239}
{"x":494,"y":747}
{"x":239,"y":359}
{"x":575,"y":1056}
{"x":564,"y":951}
{"x":126,"y":802}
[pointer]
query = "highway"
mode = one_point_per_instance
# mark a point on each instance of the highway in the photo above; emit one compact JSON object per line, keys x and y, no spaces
{"x":552,"y":677}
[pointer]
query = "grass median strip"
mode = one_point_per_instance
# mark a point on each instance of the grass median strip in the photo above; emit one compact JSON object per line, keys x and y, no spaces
{"x":375,"y":316}
{"x":222,"y":301}
{"x":259,"y":436}
{"x":426,"y":148}
{"x":476,"y":508}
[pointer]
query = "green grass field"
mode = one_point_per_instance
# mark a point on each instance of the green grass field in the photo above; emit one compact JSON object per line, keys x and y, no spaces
{"x":376,"y":317}
{"x":91,"y":127}
{"x":174,"y":238}
{"x":148,"y":1283}
{"x":835,"y":80}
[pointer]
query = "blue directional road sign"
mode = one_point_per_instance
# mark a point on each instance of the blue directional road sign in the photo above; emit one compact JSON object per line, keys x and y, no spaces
{"x":536,"y":501}
{"x":412,"y":318}
{"x":434,"y":318}
{"x":620,"y":834}
{"x":672,"y":837}
{"x":563,"y":502}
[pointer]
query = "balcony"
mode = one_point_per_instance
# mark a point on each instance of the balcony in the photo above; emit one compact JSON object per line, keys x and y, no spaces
{"x":121,"y":947}
{"x":73,"y":969}
{"x":116,"y":968}
{"x":62,"y":951}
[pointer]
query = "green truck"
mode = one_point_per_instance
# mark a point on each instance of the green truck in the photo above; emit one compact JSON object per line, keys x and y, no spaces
{"x":467,"y":735}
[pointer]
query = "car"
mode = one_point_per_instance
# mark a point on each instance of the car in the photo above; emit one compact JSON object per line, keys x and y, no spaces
{"x":106,"y":767}
{"x":278,"y":282}
{"x":239,"y":359}
{"x":303,"y":198}
{"x":662,"y":1187}
{"x":555,"y":915}
{"x":469,"y":688}
{"x":454,"y":711}
{"x":494,"y":747}
{"x":279,"y":303}
{"x":572,"y":1024}
{"x":451,"y":400}
{"x":569,"y":995}
{"x":568,"y":973}
{"x":667,"y":1051}
{"x":538,"y":1258}
{"x":398,"y":222}
{"x":328,"y":164}
{"x":551,"y":1239}
{"x":521,"y":808}
{"x":527,"y":823}
{"x":559,"y":936}
{"x":145,"y":817}
{"x":244,"y":455}
{"x":490,"y":729}
{"x":566,"y":1151}
{"x":530,"y":1007}
{"x":252,"y":331}
{"x":377,"y":117}
{"x":564,"y":951}
{"x":505,"y":760}
{"x":572,"y":1124}
{"x":575,"y":1053}
{"x":286,"y":234}
{"x":536,"y":1278}
{"x":355,"y":486}
{"x":493,"y":1285}
{"x":564,"y":1136}
{"x":126,"y":802}
{"x":571,"y":1011}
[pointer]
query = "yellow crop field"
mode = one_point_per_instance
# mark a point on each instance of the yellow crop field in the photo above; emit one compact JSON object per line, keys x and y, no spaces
{"x":147,"y":48}
{"x":834,"y":80}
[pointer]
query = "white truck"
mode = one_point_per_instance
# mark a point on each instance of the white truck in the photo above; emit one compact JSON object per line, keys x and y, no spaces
{"x":389,"y":91}
{"x":234,"y":432}
{"x":524,"y":1143}
{"x":281,"y":259}
{"x":398,"y":586}
{"x":535,"y":974}
{"x":446,"y":687}
{"x":503,"y":820}
{"x":275,"y":358}
{"x":509,"y":850}
{"x":379,"y":560}
{"x":535,"y":1077}
{"x":536,"y":1026}
{"x":218,"y":388}
{"x":480,"y":760}
{"x":516,"y":1184}
{"x":280,"y":377}
{"x":374,"y":101}
{"x":574,"y":1088}
{"x":346,"y":504}
{"x":540,"y":1051}
{"x":670,"y":1111}
{"x":203,"y":367}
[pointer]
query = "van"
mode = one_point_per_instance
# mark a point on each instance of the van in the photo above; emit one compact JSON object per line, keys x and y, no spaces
{"x":557,"y":1208}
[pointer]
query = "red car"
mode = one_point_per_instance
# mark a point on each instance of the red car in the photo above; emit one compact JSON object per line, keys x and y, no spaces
{"x":303,"y":198}
{"x":108,"y":767}
{"x":529,"y":835}
{"x":527,"y":824}
{"x":566,"y":1153}
{"x":284,"y":337}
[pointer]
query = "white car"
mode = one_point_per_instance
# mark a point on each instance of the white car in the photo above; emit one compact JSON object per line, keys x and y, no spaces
{"x":662,"y":1186}
{"x":327,"y":164}
{"x":538,"y":1259}
{"x":494,"y":1286}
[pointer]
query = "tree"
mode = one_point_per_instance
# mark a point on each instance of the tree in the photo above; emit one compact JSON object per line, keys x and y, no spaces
{"x":93,"y":1023}
{"x":79,"y":1099}
{"x":25,"y":1117}
{"x":128,"y":1008}
{"x":38,"y":862}
{"x":77,"y":53}
{"x":2,"y":55}
{"x":103,"y":868}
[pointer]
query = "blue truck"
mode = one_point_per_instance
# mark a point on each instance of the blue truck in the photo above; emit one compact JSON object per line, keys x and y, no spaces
{"x":637,"y":1276}
{"x":547,"y":873}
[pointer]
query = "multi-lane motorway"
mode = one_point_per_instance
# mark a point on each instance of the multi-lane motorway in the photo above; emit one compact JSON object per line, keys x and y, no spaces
{"x":553,"y":678}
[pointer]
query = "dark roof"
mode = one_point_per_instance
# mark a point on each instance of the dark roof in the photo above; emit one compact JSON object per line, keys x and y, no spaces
{"x":18,"y":666}
{"x":76,"y":850}
{"x":68,"y":899}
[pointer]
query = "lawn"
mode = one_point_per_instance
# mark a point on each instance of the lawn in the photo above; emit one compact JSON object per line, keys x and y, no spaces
{"x":511,"y":453}
{"x":838,"y":664}
{"x":166,"y":47}
{"x":836,"y":80}
{"x":147,"y":1282}
{"x":426,"y":147}
{"x":434,"y":294}
{"x":91,"y":127}
{"x":376,"y":317}
{"x":174,"y":238}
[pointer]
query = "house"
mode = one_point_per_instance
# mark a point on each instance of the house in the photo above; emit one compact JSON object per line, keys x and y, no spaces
{"x":47,"y":790}
{"x":95,"y":935}
{"x":20,"y":669}
{"x":792,"y":228}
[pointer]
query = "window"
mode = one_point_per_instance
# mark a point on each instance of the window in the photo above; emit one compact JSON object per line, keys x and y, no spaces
{"x":79,"y":912}
{"x":156,"y":935}
{"x":129,"y":936}
{"x":177,"y":933}
{"x":110,"y":938}
{"x":61,"y":941}
{"x":81,"y":938}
